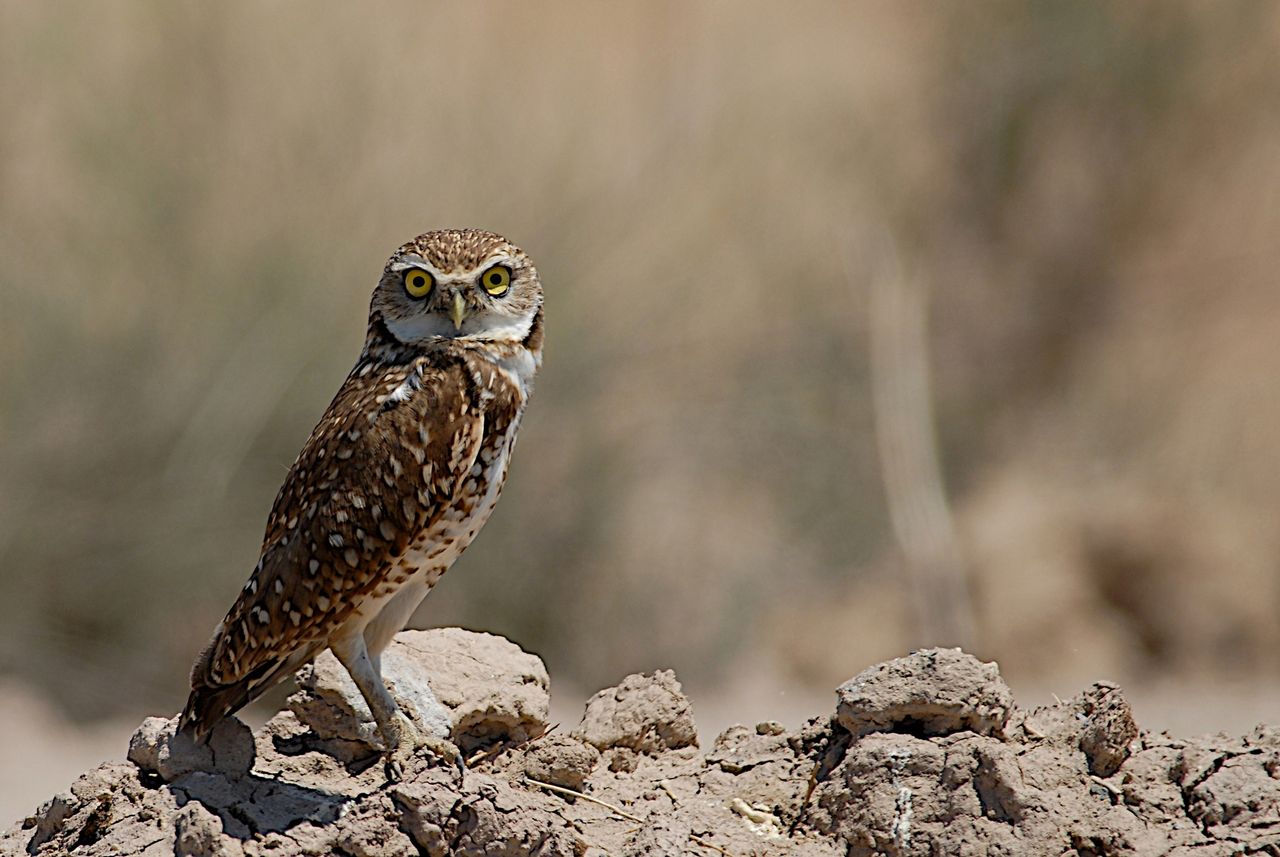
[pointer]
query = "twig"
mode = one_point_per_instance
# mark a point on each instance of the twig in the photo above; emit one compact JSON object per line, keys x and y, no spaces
{"x":698,"y":840}
{"x":665,"y":785}
{"x":572,"y":793}
{"x":487,"y":755}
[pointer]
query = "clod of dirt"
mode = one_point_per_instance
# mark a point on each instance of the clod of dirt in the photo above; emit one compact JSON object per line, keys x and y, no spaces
{"x":473,"y":688}
{"x":493,"y":689}
{"x":646,"y":713}
{"x":1098,"y":722}
{"x":930,"y":692}
{"x":928,"y":756}
{"x":198,"y":833}
{"x":1108,"y":728}
{"x":485,"y":817}
{"x":159,"y":748}
{"x":561,"y":760}
{"x":330,"y":703}
{"x":1231,"y":787}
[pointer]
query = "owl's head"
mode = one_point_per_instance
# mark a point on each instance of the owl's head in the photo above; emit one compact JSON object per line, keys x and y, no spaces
{"x":457,"y":284}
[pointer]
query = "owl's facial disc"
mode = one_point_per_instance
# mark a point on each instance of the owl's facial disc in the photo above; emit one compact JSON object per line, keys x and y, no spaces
{"x":495,"y":300}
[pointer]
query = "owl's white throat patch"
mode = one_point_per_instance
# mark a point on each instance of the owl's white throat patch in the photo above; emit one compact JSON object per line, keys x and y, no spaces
{"x":515,"y":330}
{"x":485,"y":326}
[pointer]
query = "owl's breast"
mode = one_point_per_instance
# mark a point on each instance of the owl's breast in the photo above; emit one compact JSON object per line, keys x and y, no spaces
{"x":441,"y":541}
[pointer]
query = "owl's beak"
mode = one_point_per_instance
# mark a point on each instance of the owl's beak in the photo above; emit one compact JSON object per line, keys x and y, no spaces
{"x":458,"y":311}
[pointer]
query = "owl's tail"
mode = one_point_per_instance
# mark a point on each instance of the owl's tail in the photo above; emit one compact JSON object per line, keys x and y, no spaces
{"x":210,"y":701}
{"x":206,"y":706}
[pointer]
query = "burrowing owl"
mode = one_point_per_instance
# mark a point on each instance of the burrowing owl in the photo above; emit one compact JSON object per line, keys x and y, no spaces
{"x":393,"y":484}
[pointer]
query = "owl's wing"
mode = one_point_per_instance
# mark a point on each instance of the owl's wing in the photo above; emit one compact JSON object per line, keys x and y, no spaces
{"x":384,"y":462}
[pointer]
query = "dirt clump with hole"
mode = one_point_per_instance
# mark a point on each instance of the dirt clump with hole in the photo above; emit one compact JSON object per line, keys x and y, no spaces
{"x":923,"y":755}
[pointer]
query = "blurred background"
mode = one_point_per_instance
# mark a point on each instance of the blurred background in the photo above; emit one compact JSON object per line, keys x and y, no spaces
{"x":870,"y":326}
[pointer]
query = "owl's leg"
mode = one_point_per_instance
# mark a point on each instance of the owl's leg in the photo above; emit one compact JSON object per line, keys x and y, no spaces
{"x":400,"y":738}
{"x":391,"y":618}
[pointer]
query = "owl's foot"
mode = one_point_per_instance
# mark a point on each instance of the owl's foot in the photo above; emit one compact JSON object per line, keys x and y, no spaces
{"x":403,"y":740}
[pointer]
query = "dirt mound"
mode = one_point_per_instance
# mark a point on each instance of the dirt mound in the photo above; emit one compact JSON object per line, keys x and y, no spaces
{"x":924,"y":755}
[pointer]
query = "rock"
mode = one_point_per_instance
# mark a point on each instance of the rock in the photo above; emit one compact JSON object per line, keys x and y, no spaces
{"x":930,"y":692}
{"x":476,"y":689}
{"x":159,"y":748}
{"x":561,"y":760}
{"x":331,"y":704}
{"x":494,"y":690}
{"x":647,"y":713}
{"x":50,"y":816}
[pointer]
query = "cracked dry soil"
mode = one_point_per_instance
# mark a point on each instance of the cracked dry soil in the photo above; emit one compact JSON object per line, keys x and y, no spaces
{"x":923,"y":755}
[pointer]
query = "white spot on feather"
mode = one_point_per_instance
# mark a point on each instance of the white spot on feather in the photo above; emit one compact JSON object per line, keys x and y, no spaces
{"x":406,"y":389}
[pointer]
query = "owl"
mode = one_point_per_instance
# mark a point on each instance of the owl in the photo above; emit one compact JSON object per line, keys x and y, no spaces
{"x":395,"y":481}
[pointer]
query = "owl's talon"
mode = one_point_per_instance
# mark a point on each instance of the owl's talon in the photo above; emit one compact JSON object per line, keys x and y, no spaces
{"x":403,"y":741}
{"x":446,"y":751}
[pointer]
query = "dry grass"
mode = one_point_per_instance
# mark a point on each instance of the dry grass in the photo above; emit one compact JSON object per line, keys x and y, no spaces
{"x":195,"y":199}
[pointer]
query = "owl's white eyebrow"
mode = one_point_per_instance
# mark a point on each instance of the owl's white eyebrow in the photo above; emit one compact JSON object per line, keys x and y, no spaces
{"x":413,"y":262}
{"x":418,"y":262}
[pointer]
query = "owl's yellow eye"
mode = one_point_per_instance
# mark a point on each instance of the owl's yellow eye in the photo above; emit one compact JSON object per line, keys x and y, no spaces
{"x":496,"y":280}
{"x":418,"y":283}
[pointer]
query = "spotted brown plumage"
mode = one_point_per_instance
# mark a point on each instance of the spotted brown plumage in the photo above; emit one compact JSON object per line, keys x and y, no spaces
{"x":396,"y":479}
